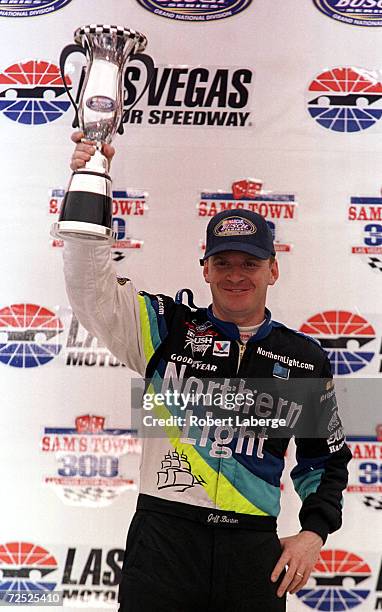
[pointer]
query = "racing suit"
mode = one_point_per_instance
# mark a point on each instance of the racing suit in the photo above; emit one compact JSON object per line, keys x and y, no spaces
{"x":190,"y":481}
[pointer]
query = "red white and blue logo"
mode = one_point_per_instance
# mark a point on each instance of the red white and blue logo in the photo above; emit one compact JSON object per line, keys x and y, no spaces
{"x":355,"y":12}
{"x":221,"y":348}
{"x":345,"y":99}
{"x":29,"y":335}
{"x":26,"y":567}
{"x":344,"y":335}
{"x":332,"y":573}
{"x":194,"y":10}
{"x":31,"y":93}
{"x":31,"y":8}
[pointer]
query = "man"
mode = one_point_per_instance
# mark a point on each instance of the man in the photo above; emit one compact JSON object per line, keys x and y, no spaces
{"x":204,"y":537}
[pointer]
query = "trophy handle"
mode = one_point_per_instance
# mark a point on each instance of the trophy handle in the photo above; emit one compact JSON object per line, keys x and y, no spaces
{"x":63,"y":57}
{"x":150,"y":67}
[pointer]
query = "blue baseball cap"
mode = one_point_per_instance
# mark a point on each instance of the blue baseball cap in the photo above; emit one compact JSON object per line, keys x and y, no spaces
{"x":239,"y":230}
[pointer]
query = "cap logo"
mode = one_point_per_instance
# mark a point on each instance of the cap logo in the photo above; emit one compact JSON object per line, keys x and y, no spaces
{"x":235,"y":226}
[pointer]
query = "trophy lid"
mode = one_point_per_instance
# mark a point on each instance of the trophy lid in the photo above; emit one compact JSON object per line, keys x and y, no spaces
{"x":94,"y":29}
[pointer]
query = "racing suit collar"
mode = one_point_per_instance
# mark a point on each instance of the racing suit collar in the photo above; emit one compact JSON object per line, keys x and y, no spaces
{"x":231,"y":330}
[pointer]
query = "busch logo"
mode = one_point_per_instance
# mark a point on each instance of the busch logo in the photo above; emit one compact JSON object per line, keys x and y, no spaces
{"x":199,"y":343}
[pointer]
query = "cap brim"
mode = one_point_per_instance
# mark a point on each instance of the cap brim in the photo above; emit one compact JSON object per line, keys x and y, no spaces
{"x":239,"y":246}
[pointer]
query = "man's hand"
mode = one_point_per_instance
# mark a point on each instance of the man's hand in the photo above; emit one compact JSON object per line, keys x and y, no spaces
{"x":84,"y":151}
{"x":300,"y":554}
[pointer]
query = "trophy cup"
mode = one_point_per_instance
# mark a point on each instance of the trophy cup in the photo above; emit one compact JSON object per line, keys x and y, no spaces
{"x":86,"y":212}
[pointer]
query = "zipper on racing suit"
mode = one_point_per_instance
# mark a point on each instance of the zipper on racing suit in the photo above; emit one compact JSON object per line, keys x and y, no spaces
{"x":242,"y":348}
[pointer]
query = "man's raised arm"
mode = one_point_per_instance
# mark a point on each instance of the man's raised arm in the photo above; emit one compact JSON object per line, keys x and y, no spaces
{"x":106,"y":306}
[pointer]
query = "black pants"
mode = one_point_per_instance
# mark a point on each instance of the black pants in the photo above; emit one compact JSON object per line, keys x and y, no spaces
{"x":173,"y":564}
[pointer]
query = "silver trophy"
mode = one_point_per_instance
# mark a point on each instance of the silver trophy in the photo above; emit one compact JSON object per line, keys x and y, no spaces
{"x":86,"y":212}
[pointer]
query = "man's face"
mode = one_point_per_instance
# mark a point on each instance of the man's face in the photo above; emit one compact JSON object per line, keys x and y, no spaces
{"x":239,"y":284}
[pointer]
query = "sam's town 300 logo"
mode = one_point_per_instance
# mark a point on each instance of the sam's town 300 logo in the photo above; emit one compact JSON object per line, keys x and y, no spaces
{"x":248,"y":194}
{"x":365,"y":471}
{"x":365,"y":213}
{"x":88,"y":461}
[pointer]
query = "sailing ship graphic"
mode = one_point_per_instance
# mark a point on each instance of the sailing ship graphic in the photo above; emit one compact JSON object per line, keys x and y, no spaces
{"x":176,"y":473}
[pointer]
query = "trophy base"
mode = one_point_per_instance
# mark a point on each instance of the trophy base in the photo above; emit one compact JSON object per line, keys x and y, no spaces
{"x":86,"y":215}
{"x":86,"y":233}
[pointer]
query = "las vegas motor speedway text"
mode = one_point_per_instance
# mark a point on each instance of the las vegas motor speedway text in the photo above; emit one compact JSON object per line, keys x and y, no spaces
{"x":200,"y":117}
